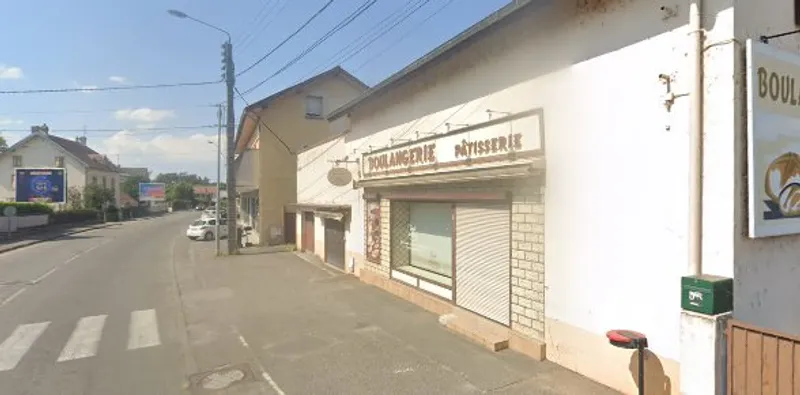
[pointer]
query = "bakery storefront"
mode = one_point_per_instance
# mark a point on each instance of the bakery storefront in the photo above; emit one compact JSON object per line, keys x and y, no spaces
{"x":440,"y":211}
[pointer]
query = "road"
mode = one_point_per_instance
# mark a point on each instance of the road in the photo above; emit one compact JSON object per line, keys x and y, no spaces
{"x":139,"y":309}
{"x":94,"y":313}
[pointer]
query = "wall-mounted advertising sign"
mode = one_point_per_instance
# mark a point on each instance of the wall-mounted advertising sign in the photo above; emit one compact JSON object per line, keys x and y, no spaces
{"x":152,"y":192}
{"x":514,"y":139}
{"x":773,"y":132}
{"x":43,"y":185}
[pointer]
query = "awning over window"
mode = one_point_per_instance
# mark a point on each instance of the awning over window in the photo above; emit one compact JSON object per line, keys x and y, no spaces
{"x":517,"y":171}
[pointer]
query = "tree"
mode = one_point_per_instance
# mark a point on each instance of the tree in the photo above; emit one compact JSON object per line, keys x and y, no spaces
{"x":173,"y":178}
{"x":131,"y":185}
{"x":74,"y":198}
{"x":3,"y":144}
{"x":95,"y":196}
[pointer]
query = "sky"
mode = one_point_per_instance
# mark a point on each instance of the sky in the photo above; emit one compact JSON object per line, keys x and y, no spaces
{"x":55,"y":44}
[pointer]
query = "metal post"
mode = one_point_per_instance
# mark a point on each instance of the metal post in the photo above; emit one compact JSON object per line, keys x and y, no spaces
{"x":219,"y":170}
{"x":233,"y":247}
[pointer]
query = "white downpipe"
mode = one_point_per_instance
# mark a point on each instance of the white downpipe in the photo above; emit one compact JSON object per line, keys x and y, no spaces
{"x":696,"y":142}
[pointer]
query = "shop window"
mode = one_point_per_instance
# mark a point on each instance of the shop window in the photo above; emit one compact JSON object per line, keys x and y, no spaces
{"x":373,"y":231}
{"x":422,"y":240}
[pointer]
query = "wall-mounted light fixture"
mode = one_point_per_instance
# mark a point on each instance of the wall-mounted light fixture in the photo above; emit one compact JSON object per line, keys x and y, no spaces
{"x":492,"y":112}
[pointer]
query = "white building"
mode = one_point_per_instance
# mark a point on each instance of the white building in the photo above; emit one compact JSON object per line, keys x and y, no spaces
{"x":40,"y":149}
{"x":610,"y":85}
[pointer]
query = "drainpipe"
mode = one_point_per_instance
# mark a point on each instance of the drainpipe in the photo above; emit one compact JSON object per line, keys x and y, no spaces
{"x":696,"y":142}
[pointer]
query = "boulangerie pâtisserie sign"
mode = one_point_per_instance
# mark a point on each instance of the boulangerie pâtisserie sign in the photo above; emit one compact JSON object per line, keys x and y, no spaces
{"x":516,"y":139}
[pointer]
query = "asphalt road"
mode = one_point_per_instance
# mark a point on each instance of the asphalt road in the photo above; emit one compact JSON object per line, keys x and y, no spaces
{"x":95,"y":313}
{"x":139,"y":309}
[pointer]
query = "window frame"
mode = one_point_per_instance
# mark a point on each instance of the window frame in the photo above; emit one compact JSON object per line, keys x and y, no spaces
{"x":17,"y":160}
{"x":60,"y":161}
{"x":308,"y":101}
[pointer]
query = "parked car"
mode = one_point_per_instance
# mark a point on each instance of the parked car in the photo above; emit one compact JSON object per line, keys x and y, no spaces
{"x":204,"y":228}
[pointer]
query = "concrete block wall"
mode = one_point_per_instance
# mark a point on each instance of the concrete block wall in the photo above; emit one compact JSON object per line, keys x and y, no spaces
{"x":527,"y":261}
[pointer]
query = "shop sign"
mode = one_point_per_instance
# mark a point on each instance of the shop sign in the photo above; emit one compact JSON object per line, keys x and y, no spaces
{"x":773,"y":106}
{"x":514,"y":140}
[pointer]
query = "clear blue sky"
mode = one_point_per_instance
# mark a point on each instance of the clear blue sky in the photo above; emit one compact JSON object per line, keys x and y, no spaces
{"x":66,"y":44}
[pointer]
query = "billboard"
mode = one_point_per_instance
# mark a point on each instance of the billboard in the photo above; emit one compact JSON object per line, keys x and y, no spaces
{"x":773,"y":109}
{"x":152,"y":191}
{"x":44,"y":185}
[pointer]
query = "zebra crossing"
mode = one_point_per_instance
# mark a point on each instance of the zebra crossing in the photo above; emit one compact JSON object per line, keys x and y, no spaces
{"x":83,"y":341}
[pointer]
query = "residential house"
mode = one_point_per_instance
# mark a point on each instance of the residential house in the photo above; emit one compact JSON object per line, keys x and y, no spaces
{"x":42,"y":149}
{"x":135,"y":171}
{"x":271,"y":133}
{"x":208,"y":193}
{"x":458,"y":206}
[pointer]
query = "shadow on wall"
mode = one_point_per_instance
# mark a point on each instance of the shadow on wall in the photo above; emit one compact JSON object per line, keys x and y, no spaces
{"x":656,"y":382}
{"x":507,"y":61}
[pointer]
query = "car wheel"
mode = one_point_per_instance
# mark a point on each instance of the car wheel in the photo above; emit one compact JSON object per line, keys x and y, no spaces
{"x":208,"y":236}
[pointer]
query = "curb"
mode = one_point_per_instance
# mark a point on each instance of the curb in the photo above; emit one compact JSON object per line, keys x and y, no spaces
{"x":58,"y":236}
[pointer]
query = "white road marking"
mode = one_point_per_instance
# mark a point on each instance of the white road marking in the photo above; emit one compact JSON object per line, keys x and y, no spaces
{"x":84,"y":339}
{"x":264,"y":373}
{"x":17,"y":345}
{"x":143,"y":330}
{"x":12,"y":297}
{"x":43,"y":276}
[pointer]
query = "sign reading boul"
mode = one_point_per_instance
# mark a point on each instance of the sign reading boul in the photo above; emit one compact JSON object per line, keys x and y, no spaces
{"x":511,"y":140}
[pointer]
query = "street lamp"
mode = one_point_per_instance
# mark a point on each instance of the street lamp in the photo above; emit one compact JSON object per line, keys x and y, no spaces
{"x":230,"y":81}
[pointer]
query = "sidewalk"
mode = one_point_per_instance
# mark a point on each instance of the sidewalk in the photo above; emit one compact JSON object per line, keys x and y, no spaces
{"x":305,"y":329}
{"x":27,"y":237}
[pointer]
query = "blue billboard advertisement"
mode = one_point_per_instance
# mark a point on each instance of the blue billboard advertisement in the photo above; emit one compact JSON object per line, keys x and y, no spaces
{"x":43,"y":185}
{"x":152,"y":191}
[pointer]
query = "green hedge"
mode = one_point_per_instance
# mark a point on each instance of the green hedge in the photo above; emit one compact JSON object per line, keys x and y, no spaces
{"x":112,"y":214}
{"x":27,"y":208}
{"x":74,"y":216}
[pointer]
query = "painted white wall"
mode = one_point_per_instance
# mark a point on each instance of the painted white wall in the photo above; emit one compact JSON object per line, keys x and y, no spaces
{"x":766,"y":270}
{"x":39,"y":153}
{"x":617,"y":176}
{"x":313,"y":186}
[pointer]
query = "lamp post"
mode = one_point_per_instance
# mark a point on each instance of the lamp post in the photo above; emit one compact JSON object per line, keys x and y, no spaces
{"x":230,"y":81}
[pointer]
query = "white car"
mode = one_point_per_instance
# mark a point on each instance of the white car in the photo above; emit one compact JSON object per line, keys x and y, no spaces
{"x":204,"y":228}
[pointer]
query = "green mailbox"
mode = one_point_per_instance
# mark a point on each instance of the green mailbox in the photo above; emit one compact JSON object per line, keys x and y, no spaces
{"x":707,"y":294}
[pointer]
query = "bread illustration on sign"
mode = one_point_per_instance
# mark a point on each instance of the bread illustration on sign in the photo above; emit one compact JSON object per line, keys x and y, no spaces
{"x":782,"y":186}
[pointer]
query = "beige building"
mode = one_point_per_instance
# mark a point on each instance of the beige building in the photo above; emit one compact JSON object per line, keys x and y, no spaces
{"x":271,"y":133}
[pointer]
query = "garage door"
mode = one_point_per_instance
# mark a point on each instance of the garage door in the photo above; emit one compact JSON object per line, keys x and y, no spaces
{"x":334,"y":243}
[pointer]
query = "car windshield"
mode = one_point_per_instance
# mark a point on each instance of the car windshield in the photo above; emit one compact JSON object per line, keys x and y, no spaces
{"x":199,"y":222}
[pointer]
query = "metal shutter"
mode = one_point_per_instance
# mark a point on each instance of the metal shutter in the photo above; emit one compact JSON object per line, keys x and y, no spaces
{"x":483,"y":261}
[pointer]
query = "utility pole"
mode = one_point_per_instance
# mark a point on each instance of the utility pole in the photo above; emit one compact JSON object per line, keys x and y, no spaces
{"x":218,"y":206}
{"x":230,"y":81}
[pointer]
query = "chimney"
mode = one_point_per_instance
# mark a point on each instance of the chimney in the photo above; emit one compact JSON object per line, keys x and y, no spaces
{"x":40,"y":129}
{"x":81,"y":139}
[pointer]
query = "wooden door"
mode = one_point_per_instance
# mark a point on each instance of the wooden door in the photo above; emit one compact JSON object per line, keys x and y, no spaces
{"x":762,"y":361}
{"x":290,"y":228}
{"x":308,"y":232}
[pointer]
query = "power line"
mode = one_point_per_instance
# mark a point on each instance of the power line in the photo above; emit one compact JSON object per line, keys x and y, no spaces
{"x":404,"y":36}
{"x":344,"y":23}
{"x":153,"y":129}
{"x":277,"y":47}
{"x":246,"y":43}
{"x":261,"y":121}
{"x":109,"y":88}
{"x":109,"y":110}
{"x":246,"y":35}
{"x":355,"y":47}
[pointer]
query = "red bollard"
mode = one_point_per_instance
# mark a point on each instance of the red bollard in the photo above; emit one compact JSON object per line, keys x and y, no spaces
{"x":630,"y":340}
